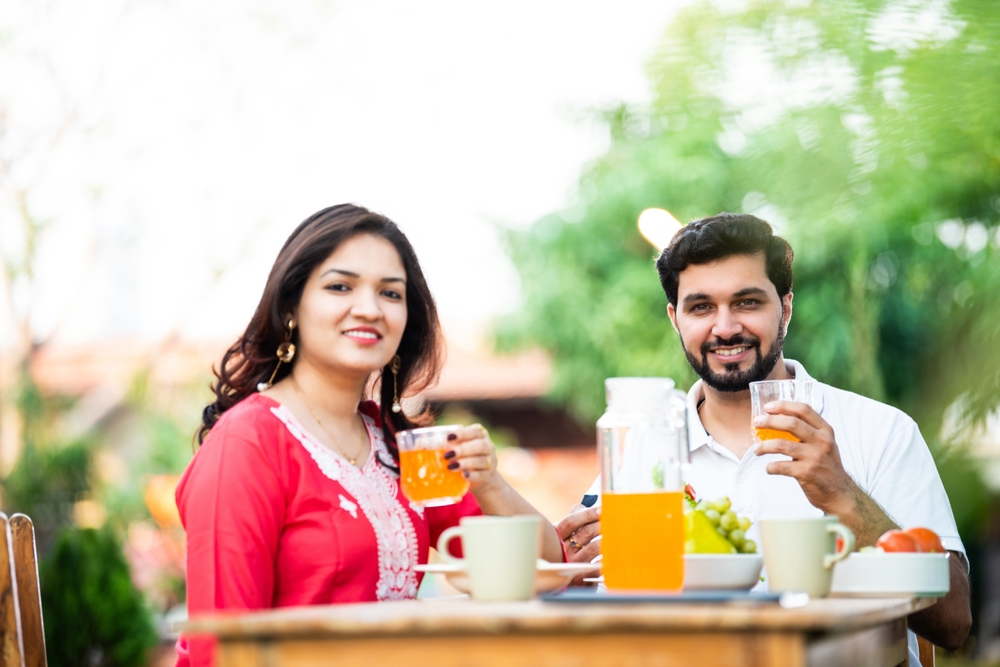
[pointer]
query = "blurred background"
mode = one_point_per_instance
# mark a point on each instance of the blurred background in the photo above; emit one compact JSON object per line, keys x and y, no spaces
{"x":154,"y":156}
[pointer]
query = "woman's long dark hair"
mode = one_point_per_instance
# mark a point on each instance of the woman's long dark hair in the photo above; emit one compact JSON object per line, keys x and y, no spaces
{"x":253,"y":357}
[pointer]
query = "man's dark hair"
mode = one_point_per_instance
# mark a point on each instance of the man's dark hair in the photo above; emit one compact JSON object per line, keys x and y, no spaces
{"x":721,"y":236}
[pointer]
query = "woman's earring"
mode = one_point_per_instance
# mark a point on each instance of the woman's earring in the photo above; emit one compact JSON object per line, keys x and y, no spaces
{"x":286,"y":352}
{"x":394,"y":367}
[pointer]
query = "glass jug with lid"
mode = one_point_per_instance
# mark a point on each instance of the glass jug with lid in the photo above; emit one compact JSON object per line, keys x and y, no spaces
{"x":642,"y":445}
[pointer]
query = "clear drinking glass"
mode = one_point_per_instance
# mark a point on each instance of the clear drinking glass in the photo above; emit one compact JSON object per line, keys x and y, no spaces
{"x":423,"y":473}
{"x":762,"y":393}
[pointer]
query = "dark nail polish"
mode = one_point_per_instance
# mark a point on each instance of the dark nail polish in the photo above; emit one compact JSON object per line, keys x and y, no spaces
{"x":465,"y":474}
{"x":448,"y":455}
{"x":453,"y":436}
{"x":453,"y":465}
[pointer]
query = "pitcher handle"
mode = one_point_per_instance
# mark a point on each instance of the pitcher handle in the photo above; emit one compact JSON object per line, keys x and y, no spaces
{"x":456,"y":531}
{"x":848,"y":536}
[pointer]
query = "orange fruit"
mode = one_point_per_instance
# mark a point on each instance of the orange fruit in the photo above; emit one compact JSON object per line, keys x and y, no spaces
{"x":896,"y":541}
{"x":927,"y":540}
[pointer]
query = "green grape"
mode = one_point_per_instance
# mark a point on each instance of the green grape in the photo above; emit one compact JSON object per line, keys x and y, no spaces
{"x":738,"y":538}
{"x":658,"y":475}
{"x":749,"y":547}
{"x":702,"y":505}
{"x":728,"y":521}
{"x":722,"y":504}
{"x":713,"y":516}
{"x":744,"y":523}
{"x":723,"y":532}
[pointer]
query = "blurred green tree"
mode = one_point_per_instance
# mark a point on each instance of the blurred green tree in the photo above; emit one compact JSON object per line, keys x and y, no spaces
{"x":866,"y":133}
{"x":51,"y":475}
{"x":94,"y":615}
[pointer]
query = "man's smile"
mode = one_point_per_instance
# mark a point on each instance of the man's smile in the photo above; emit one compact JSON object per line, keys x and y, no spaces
{"x":731,"y":352}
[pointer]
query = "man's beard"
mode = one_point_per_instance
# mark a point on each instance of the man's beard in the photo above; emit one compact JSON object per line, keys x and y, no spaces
{"x":733,"y":379}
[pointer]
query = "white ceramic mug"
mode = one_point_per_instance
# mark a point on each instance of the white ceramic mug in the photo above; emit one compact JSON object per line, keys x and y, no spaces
{"x":500,"y":555}
{"x":799,"y":554}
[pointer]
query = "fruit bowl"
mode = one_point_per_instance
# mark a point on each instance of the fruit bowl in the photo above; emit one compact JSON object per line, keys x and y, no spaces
{"x":877,"y":574}
{"x":721,"y":571}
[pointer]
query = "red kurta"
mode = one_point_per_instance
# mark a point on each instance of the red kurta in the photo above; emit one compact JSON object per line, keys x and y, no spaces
{"x":276,"y":519}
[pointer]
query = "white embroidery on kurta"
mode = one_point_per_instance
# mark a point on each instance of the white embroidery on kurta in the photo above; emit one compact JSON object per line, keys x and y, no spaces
{"x":375,"y":488}
{"x":346,"y":504}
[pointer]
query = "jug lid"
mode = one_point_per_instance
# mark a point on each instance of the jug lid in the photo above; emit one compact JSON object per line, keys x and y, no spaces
{"x":638,"y":393}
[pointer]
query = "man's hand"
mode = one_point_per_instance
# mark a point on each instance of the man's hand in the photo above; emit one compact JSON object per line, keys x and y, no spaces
{"x":578,"y":531}
{"x":815,"y":460}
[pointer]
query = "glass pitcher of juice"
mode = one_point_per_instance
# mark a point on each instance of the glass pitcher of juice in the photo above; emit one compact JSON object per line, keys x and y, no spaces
{"x":642,"y":445}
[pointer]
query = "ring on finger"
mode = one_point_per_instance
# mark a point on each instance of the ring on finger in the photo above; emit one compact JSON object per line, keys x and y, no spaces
{"x":573,"y":543}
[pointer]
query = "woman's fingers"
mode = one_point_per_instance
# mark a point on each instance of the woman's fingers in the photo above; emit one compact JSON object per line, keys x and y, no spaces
{"x":470,"y":448}
{"x":471,"y":464}
{"x":474,"y":432}
{"x":472,"y":453}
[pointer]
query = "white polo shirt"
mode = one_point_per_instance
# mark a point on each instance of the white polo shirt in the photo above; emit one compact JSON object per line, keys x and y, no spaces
{"x":880,"y":447}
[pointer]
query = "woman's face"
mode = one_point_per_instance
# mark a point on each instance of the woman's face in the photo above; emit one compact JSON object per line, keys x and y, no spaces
{"x":353,"y":309}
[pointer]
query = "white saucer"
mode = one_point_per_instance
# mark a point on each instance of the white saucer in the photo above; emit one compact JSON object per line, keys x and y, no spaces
{"x":548,"y":576}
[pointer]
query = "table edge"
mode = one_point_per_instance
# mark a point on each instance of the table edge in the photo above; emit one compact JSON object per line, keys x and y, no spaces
{"x":535,"y":618}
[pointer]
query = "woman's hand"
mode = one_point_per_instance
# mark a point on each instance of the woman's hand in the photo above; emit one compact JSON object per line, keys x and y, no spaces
{"x":473,"y":454}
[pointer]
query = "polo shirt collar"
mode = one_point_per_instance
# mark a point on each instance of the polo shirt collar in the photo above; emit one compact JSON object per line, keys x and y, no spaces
{"x":698,"y":436}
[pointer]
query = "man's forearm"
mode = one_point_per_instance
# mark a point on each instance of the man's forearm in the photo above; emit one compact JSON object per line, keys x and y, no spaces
{"x":863,"y":516}
{"x":947,"y":623}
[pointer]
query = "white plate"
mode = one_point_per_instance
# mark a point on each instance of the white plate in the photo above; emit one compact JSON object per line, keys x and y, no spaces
{"x":878,"y":574}
{"x":548,"y":576}
{"x":727,"y":572}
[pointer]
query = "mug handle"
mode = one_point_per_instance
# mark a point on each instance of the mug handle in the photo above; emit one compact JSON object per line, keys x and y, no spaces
{"x":456,"y":531}
{"x":848,"y":536}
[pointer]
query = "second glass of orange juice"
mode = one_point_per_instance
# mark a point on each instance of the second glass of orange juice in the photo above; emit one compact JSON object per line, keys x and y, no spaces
{"x":423,"y":472}
{"x":762,"y":393}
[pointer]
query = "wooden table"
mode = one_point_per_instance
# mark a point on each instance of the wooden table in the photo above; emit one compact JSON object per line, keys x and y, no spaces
{"x":456,"y":633}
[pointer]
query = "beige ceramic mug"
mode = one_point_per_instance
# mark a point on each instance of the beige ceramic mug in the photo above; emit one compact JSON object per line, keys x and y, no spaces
{"x":799,"y":554}
{"x":500,"y":555}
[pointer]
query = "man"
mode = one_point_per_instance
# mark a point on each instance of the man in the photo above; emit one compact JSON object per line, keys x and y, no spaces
{"x":728,"y":282}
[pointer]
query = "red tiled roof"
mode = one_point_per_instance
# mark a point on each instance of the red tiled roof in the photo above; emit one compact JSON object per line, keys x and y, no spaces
{"x":468,"y":374}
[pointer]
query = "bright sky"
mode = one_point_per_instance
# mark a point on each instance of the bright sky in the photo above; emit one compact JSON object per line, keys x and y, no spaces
{"x":168,"y":143}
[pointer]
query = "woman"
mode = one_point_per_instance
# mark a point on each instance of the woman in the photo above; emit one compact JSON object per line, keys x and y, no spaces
{"x":292,"y":498}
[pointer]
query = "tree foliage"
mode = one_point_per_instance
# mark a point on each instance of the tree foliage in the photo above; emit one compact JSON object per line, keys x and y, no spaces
{"x":94,"y":614}
{"x":869,"y":139}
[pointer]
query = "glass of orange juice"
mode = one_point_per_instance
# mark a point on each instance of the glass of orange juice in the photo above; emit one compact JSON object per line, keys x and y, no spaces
{"x":423,"y":472}
{"x":642,"y":441}
{"x":762,"y":393}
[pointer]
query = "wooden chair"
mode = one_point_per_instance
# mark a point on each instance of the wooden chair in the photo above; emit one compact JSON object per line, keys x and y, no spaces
{"x":926,"y":652}
{"x":11,"y":644}
{"x":29,"y":596}
{"x":22,"y":636}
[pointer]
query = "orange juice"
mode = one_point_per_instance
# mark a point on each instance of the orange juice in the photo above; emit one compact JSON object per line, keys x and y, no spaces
{"x":425,"y":478}
{"x":771,"y":434}
{"x":643,"y":542}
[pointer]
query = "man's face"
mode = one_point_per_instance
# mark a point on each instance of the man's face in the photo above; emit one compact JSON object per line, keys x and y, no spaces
{"x":731,"y":321}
